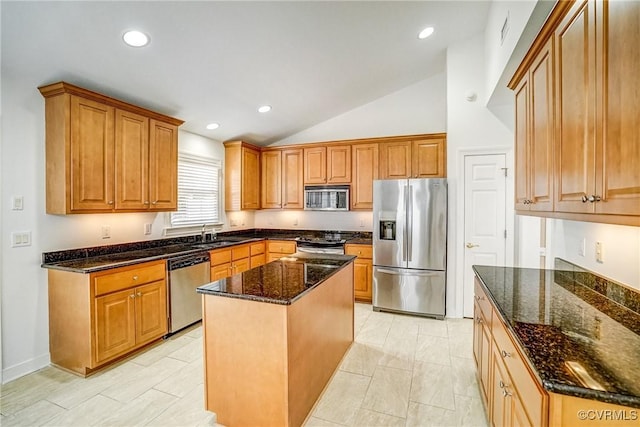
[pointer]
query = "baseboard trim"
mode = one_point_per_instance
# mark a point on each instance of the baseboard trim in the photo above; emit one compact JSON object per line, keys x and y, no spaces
{"x":21,"y":369}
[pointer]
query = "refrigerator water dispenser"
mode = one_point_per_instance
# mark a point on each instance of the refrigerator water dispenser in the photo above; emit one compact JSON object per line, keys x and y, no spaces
{"x":387,"y":230}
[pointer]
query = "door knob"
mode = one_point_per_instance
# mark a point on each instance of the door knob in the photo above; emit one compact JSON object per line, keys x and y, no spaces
{"x":471,"y":245}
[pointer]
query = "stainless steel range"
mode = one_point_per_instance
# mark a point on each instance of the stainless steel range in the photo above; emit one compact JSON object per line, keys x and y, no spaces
{"x":329,"y":244}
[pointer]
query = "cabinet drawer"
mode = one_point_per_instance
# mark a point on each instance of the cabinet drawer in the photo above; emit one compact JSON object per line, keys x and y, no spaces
{"x":240,"y":252}
{"x":483,"y":300}
{"x":361,"y":251}
{"x":126,"y":277}
{"x":532,"y":397}
{"x":257,"y":248}
{"x":281,"y":247}
{"x":220,"y":256}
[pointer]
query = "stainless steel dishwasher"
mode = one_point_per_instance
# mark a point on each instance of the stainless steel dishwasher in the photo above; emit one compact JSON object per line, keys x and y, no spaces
{"x":186,"y":273}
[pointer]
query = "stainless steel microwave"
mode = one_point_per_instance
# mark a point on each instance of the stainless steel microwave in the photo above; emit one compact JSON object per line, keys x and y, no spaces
{"x":326,"y":197}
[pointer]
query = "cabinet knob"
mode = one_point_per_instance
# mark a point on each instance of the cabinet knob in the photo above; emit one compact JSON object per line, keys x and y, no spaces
{"x":501,"y":384}
{"x":505,"y":354}
{"x":135,"y":277}
{"x":506,"y":393}
{"x":478,"y":320}
{"x":132,"y":296}
{"x":155,"y":202}
{"x":146,"y":202}
{"x":139,"y":294}
{"x":110,"y":202}
{"x":594,"y":198}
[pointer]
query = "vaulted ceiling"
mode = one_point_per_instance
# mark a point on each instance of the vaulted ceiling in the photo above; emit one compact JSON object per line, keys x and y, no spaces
{"x":219,"y":61}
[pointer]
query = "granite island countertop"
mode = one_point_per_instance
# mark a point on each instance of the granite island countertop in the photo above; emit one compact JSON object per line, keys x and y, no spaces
{"x":279,"y":282}
{"x":570,"y":315}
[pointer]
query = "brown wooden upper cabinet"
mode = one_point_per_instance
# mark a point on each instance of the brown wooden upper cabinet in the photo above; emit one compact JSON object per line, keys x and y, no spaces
{"x":242,"y":176}
{"x":420,"y":158}
{"x":596,"y":112}
{"x":327,"y":164}
{"x":534,"y":135}
{"x":282,"y":179}
{"x":104,"y":155}
{"x":365,"y":170}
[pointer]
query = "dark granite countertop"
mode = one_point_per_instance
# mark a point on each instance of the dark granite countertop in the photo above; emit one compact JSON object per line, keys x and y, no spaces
{"x":89,"y":260}
{"x":279,"y":282}
{"x":572,"y":315}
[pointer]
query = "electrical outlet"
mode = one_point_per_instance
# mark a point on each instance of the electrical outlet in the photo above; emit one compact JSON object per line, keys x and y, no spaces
{"x":106,"y":232}
{"x":295,"y":221}
{"x":234,"y":223}
{"x":147,"y":229}
{"x":582,"y":248}
{"x":362,"y":223}
{"x":599,"y":249}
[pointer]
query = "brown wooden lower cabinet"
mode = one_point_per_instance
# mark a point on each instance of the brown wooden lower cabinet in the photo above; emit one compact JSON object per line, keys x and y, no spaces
{"x":99,"y":317}
{"x":362,"y":270}
{"x":276,"y":249}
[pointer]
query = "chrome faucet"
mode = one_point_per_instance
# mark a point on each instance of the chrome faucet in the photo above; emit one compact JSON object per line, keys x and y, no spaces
{"x":204,"y":231}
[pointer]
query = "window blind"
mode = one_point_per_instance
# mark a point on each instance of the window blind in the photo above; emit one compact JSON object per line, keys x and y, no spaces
{"x":198,"y":191}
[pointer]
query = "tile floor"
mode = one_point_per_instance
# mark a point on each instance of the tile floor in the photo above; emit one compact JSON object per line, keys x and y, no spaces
{"x":401,"y":371}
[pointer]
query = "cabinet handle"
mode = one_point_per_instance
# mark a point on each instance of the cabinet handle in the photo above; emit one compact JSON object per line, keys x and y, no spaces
{"x":132,"y":296}
{"x":135,"y":277}
{"x":593,"y":198}
{"x":505,"y":354}
{"x":478,"y":320}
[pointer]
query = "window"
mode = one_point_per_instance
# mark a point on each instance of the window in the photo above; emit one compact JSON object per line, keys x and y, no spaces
{"x":198,"y":191}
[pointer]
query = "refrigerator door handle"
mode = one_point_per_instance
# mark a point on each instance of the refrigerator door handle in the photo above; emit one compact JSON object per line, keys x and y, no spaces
{"x":408,"y":273}
{"x":409,"y":226}
{"x":405,"y":232}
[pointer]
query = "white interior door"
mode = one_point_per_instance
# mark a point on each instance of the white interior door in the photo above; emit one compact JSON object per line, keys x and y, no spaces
{"x":484,"y":217}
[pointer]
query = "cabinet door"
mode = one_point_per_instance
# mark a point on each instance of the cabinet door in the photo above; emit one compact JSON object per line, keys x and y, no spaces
{"x":92,"y":150}
{"x":339,"y":164}
{"x":115,"y":331}
{"x":292,"y":179}
{"x":151,"y":311}
{"x":522,"y":134}
{"x":220,"y":271}
{"x":575,"y":107}
{"x":250,"y":186}
{"x":485,"y":359}
{"x":240,"y":265}
{"x":163,"y":166}
{"x":132,"y":161}
{"x":365,"y":170}
{"x":271,"y":179}
{"x":258,"y":260}
{"x":362,"y":278}
{"x":395,"y":160}
{"x":618,"y":152}
{"x":428,"y":158}
{"x":500,"y":413}
{"x":540,"y":163}
{"x":315,"y":165}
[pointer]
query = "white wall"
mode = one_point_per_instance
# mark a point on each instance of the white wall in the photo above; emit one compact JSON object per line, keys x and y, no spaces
{"x":310,"y":220}
{"x":25,"y":338}
{"x":470,"y":125}
{"x":416,"y":109}
{"x":620,"y":245}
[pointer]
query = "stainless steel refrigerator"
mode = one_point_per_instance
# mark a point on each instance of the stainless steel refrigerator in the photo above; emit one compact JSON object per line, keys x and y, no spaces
{"x":410,"y":246}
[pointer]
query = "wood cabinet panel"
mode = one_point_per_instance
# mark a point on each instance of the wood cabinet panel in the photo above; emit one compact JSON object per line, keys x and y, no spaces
{"x":522,"y":135}
{"x":617,"y":175}
{"x":271,"y":190}
{"x":365,"y":170}
{"x":575,"y":106}
{"x":257,"y":248}
{"x":428,"y":158}
{"x":315,"y":165}
{"x":92,"y":151}
{"x":339,"y":164}
{"x":220,"y":271}
{"x":362,"y":270}
{"x":132,"y":160}
{"x":163,"y":166}
{"x":151,"y":311}
{"x":250,"y":178}
{"x":108,"y":281}
{"x":292,"y":179}
{"x":258,"y":260}
{"x":395,"y":160}
{"x":115,"y":330}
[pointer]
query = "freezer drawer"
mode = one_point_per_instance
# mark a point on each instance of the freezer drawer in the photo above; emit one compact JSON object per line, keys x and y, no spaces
{"x":420,"y":292}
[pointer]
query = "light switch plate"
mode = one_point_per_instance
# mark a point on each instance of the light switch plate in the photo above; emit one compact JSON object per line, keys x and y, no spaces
{"x":20,"y":238}
{"x":17,"y":203}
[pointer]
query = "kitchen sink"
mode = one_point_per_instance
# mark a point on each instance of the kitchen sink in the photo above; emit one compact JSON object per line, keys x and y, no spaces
{"x":215,"y":244}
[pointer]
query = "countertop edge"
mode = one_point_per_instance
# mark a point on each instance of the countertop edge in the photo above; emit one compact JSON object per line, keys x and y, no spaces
{"x":553,"y":386}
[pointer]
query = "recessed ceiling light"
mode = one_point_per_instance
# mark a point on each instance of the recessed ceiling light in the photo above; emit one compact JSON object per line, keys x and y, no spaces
{"x":425,"y":33}
{"x":212,"y":126}
{"x":135,"y":38}
{"x":264,"y":109}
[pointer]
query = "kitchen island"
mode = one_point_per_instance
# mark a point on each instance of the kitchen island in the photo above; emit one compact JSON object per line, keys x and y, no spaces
{"x":274,"y":335}
{"x":556,"y":347}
